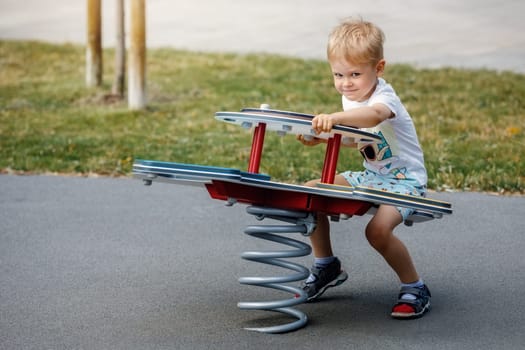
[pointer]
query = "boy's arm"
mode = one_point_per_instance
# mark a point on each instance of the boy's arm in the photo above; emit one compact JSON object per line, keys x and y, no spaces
{"x":310,"y":141}
{"x":313,"y":141}
{"x":361,"y":117}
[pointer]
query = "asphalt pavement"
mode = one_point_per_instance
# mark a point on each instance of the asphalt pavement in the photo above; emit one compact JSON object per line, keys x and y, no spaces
{"x":101,"y":263}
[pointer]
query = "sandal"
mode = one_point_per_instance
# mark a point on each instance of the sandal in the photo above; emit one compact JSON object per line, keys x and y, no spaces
{"x":410,"y":309}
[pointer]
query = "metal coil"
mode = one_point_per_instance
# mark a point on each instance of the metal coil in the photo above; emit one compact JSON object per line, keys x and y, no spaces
{"x":301,"y":222}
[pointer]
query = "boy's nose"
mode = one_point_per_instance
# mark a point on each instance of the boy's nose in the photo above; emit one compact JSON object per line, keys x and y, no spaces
{"x":347,"y":82}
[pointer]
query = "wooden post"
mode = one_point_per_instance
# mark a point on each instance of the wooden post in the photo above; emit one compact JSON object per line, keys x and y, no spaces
{"x":94,"y":44}
{"x":120,"y":51}
{"x":137,"y":56}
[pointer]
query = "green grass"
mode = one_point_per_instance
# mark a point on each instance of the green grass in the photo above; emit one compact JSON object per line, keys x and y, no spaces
{"x":470,"y":122}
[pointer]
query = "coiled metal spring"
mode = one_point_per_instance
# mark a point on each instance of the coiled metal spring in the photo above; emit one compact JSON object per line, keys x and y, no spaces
{"x":302,"y":222}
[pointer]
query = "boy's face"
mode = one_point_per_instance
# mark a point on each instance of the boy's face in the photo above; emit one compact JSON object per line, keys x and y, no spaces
{"x":356,"y":82}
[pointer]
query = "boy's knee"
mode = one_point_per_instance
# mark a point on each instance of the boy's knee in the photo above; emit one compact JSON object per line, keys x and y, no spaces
{"x":377,"y":236}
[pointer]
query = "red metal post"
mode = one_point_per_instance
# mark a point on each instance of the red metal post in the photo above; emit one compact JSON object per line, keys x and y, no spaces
{"x":330,"y":160}
{"x":257,"y":147}
{"x":326,"y":158}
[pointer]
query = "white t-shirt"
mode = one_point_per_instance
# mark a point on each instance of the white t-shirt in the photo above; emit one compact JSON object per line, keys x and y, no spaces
{"x":400,"y":154}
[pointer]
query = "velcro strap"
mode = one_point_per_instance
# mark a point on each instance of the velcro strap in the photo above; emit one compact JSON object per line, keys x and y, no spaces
{"x":417,"y":292}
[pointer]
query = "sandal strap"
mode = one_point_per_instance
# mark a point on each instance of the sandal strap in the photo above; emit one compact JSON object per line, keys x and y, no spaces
{"x":416,"y":303}
{"x":422,"y":296}
{"x":417,"y":292}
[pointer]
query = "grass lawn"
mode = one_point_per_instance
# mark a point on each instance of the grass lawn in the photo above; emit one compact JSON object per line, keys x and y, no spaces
{"x":471,"y":123}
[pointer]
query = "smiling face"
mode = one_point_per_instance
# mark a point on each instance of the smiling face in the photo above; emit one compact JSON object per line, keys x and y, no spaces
{"x":356,"y":82}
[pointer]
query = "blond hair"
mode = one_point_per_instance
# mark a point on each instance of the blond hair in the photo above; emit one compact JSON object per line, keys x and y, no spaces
{"x":357,"y":41}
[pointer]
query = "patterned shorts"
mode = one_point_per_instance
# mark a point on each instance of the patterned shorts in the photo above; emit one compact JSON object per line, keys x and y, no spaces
{"x":370,"y":179}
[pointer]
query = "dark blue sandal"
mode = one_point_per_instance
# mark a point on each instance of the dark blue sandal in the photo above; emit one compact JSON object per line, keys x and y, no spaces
{"x":410,"y":309}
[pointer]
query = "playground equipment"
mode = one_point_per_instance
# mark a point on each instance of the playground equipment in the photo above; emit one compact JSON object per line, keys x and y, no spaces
{"x":294,"y":206}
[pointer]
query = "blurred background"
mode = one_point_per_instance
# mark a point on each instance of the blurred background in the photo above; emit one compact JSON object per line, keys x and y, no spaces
{"x":432,"y":33}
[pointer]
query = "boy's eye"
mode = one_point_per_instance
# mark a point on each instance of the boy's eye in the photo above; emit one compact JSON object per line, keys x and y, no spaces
{"x":352,"y":75}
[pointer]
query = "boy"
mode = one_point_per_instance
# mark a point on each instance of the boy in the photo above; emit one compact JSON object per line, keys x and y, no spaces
{"x":355,"y":55}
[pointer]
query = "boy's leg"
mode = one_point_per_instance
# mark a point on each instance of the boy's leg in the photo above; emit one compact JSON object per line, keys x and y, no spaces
{"x":320,"y":238}
{"x":326,"y":271}
{"x":414,"y":297}
{"x":380,"y":234}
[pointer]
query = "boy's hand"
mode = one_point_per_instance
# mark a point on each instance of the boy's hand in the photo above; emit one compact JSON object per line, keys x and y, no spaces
{"x":323,"y":123}
{"x":309,"y":140}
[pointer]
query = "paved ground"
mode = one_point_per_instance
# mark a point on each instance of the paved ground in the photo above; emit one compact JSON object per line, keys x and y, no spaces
{"x":432,"y":33}
{"x":103,"y":263}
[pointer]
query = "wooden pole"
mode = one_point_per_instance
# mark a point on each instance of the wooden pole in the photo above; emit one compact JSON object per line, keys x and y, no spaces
{"x":137,"y":56}
{"x":120,"y":51}
{"x":94,"y":44}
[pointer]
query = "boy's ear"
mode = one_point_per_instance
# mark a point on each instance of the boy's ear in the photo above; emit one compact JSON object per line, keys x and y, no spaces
{"x":380,"y":68}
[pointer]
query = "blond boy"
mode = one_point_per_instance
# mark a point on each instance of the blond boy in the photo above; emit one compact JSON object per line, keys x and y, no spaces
{"x":355,"y":55}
